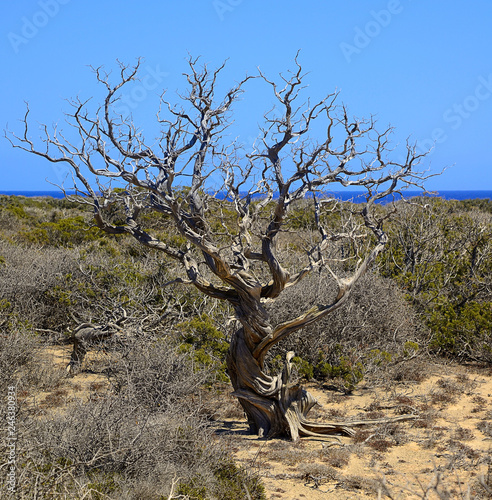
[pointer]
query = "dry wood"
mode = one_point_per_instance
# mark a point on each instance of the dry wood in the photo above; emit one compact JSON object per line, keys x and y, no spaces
{"x":241,"y":265}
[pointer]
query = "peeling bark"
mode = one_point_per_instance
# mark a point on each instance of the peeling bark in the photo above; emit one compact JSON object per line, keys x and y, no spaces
{"x":275,"y":406}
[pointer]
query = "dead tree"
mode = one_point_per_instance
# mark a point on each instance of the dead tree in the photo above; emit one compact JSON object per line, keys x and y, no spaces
{"x":238,"y":259}
{"x":86,"y":334}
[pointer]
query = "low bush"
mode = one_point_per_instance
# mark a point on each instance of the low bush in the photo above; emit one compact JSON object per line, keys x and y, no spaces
{"x":149,"y":436}
{"x":68,"y":232}
{"x":440,"y":254}
{"x":156,"y":375}
{"x":34,"y":286}
{"x":17,"y":352}
{"x":375,"y":328}
{"x":207,"y":345}
{"x":462,"y":332}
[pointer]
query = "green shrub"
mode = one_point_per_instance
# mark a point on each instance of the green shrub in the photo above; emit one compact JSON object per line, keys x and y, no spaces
{"x":193,"y":489}
{"x":410,"y":348}
{"x":18,"y":211}
{"x":440,"y":254}
{"x":231,"y":483}
{"x":207,"y":345}
{"x":304,"y":368}
{"x":102,"y":484}
{"x":379,"y":358}
{"x":347,"y":372}
{"x":235,"y":483}
{"x":68,"y":232}
{"x":462,"y":332}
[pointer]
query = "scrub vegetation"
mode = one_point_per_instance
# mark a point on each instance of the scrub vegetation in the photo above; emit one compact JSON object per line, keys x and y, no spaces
{"x":183,"y":265}
{"x":152,"y":428}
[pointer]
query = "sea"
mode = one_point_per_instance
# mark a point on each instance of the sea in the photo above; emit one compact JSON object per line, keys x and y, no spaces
{"x":340,"y":195}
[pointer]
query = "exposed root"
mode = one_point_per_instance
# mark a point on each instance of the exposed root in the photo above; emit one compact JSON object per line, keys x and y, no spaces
{"x":316,"y":429}
{"x":285,"y":412}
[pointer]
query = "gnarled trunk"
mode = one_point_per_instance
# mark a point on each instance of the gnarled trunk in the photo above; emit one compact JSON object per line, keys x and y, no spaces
{"x":273,"y":404}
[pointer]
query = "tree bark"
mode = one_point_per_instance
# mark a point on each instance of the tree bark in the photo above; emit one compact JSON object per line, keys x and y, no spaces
{"x":273,"y":405}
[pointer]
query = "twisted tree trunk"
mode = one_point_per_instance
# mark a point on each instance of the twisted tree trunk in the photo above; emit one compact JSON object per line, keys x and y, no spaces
{"x":189,"y":154}
{"x":273,"y":404}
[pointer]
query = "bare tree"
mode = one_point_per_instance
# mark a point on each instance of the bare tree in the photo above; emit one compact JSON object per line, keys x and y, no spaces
{"x":86,"y":333}
{"x":195,"y":178}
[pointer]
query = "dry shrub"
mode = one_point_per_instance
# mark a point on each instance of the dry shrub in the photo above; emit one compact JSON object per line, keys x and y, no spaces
{"x":480,"y":404}
{"x":446,"y":393}
{"x":155,"y":375}
{"x":148,"y":435}
{"x":439,"y":487}
{"x":55,"y":399}
{"x":116,"y":436}
{"x":353,"y":482}
{"x":462,"y":434}
{"x":317,"y":473}
{"x":485,"y":426}
{"x":33,"y":285}
{"x":46,"y":288}
{"x":22,"y":366}
{"x":383,"y":438}
{"x":411,"y":370}
{"x":290,"y":455}
{"x":17,"y":352}
{"x":336,"y":457}
{"x":373,"y":326}
{"x":461,"y":456}
{"x":433,"y":436}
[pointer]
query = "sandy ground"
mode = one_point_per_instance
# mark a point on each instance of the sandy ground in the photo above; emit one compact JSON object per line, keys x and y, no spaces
{"x":83,"y":386}
{"x":444,"y":453}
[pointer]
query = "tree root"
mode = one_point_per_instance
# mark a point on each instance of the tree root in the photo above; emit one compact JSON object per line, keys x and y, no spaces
{"x":321,"y":429}
{"x":285,"y":412}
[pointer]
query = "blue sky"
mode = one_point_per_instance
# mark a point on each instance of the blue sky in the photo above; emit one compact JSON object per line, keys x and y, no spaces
{"x":423,"y":67}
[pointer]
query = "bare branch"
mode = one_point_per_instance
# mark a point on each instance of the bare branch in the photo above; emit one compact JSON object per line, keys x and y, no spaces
{"x":226,"y":215}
